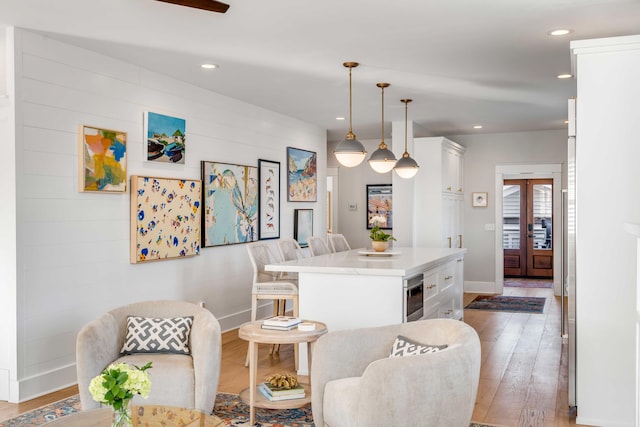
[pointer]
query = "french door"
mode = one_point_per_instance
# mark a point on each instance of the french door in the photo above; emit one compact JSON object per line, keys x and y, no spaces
{"x":528,"y":227}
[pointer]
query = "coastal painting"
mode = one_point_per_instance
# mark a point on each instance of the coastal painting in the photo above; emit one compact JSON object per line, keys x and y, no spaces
{"x":165,"y":218}
{"x":166,"y":138}
{"x":301,"y":175}
{"x":230,"y":203}
{"x":380,"y":206}
{"x":102,"y":160}
{"x":269,"y":199}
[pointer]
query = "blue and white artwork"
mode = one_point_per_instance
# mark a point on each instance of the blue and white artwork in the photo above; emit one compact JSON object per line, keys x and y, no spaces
{"x":230,"y":204}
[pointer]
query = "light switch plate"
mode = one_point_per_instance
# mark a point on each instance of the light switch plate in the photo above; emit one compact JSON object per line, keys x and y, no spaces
{"x":489,"y":227}
{"x":353,"y":206}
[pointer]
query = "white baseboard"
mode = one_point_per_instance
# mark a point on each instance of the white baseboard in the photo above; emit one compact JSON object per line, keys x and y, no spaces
{"x":480,"y":287}
{"x":45,"y":383}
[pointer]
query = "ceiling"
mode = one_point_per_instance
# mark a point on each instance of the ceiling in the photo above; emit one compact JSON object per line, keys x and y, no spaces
{"x":463,"y":62}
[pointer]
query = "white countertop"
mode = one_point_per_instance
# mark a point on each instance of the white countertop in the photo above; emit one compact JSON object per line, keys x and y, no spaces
{"x":409,"y":261}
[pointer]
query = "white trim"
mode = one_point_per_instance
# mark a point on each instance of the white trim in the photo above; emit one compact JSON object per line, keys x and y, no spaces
{"x":530,"y":171}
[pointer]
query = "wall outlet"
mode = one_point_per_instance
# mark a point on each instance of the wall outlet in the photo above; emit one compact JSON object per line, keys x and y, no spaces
{"x":489,"y":227}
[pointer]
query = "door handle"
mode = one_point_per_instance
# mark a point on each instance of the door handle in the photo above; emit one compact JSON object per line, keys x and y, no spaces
{"x":530,"y":236}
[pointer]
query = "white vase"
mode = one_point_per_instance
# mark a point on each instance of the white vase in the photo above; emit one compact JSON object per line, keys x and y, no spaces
{"x":379,"y":246}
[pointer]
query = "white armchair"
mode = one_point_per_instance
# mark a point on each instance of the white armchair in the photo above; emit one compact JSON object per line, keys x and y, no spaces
{"x":189,"y":381}
{"x":354,"y":383}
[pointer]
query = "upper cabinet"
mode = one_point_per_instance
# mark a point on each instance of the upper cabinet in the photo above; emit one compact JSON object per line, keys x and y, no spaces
{"x":438,"y":193}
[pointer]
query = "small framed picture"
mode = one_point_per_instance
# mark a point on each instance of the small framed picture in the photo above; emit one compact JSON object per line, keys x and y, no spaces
{"x":479,"y":200}
{"x":302,"y":226}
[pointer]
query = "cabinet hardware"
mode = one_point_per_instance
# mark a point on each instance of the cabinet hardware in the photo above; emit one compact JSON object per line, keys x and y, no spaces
{"x":448,"y":277}
{"x":431,"y":286}
{"x":449,"y":188}
{"x":460,"y":190}
{"x":449,"y":238}
{"x":460,"y":237}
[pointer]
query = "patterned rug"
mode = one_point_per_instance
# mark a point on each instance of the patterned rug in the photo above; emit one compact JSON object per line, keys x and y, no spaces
{"x":528,"y":283}
{"x":508,"y":303}
{"x":228,"y":407}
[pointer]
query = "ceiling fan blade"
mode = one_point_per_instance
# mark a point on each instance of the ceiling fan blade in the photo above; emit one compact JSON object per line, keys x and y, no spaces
{"x":210,"y":5}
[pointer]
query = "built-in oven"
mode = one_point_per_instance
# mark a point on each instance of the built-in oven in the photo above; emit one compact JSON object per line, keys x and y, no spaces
{"x":414,"y":298}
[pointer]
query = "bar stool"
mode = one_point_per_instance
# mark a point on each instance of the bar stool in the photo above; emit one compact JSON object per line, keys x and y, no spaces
{"x":318,"y":246}
{"x":267,"y":285}
{"x":338,"y":243}
{"x":290,"y":249}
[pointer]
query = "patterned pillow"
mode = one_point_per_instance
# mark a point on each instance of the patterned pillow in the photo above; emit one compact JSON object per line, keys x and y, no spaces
{"x":403,"y":346}
{"x":153,"y":335}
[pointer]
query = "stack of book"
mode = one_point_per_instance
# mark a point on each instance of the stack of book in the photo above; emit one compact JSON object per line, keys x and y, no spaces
{"x":281,"y":323}
{"x":275,"y":394}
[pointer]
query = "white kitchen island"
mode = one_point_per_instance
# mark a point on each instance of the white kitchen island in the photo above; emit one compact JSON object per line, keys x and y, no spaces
{"x":348,"y":290}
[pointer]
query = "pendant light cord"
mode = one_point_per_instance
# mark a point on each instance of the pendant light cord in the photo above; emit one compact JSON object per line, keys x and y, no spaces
{"x":350,"y":103}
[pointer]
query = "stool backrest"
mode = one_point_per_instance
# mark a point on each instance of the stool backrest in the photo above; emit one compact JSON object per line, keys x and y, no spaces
{"x":317,"y":246}
{"x":338,"y":243}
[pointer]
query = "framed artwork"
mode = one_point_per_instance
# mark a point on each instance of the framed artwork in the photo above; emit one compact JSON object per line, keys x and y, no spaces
{"x":102,"y":160}
{"x":380,"y":206}
{"x":166,"y":138}
{"x":302,"y":175}
{"x":302,"y":226}
{"x":269,"y":199}
{"x":479,"y":200}
{"x":165,"y":218}
{"x":230,"y":204}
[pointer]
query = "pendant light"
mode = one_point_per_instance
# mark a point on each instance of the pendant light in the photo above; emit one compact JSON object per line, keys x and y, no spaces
{"x":350,"y":152}
{"x":382,"y":160}
{"x":406,"y":167}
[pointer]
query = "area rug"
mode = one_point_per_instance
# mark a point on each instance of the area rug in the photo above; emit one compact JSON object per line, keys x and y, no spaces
{"x":528,"y":283}
{"x":228,"y":407}
{"x":508,"y":303}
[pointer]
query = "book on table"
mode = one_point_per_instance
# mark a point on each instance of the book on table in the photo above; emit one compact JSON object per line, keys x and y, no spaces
{"x":275,"y":394}
{"x":281,"y":321}
{"x":280,"y":328}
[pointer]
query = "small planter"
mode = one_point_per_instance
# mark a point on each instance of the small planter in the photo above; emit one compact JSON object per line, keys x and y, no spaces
{"x":379,"y":246}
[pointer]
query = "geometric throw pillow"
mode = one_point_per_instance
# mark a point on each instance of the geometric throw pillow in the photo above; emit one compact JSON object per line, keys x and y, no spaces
{"x":155,"y":335}
{"x":403,"y":346}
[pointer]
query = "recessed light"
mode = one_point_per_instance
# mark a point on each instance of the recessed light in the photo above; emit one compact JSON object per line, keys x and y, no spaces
{"x":339,"y":118}
{"x":560,"y":32}
{"x":477,"y":127}
{"x":209,"y":66}
{"x":565,"y":76}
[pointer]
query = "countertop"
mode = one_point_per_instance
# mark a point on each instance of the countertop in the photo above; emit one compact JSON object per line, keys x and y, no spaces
{"x":409,"y":261}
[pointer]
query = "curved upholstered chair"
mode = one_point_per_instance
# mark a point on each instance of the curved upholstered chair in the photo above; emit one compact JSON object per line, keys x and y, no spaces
{"x":183,"y":380}
{"x":338,"y":243}
{"x":355,"y":383}
{"x":318,"y":246}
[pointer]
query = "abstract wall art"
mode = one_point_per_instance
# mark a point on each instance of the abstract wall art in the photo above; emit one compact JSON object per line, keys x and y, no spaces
{"x":269,"y":199}
{"x":301,"y":175}
{"x":166,"y":138}
{"x":102,"y":160}
{"x":230,"y":203}
{"x":165,"y":218}
{"x":380,"y":206}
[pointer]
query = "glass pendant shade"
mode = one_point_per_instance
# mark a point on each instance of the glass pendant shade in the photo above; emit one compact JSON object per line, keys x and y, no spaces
{"x":406,"y":167}
{"x":382,"y":160}
{"x":350,"y":152}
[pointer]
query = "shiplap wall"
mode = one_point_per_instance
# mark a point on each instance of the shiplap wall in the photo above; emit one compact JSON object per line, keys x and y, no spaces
{"x":73,"y":248}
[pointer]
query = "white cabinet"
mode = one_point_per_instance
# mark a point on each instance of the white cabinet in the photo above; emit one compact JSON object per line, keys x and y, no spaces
{"x":443,"y":293}
{"x":439,"y":193}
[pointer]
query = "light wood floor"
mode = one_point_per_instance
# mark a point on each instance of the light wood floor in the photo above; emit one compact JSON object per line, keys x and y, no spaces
{"x":523,"y":380}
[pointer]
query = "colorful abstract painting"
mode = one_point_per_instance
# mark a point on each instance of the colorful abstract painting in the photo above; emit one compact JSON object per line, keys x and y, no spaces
{"x":165,"y":218}
{"x":301,"y":175}
{"x":380,"y":206}
{"x":269,"y":179}
{"x":230,"y":199}
{"x":166,"y":138}
{"x":102,"y":160}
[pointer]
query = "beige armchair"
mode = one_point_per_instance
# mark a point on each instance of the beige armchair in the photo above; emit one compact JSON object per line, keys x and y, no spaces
{"x":354,"y":383}
{"x":189,"y":381}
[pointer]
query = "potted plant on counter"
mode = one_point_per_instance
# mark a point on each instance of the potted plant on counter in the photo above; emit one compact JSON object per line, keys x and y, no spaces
{"x":379,"y":239}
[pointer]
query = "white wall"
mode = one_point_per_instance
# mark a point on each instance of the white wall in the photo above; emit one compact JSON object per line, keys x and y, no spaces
{"x":73,"y":248}
{"x":483,"y":153}
{"x":607,"y":183}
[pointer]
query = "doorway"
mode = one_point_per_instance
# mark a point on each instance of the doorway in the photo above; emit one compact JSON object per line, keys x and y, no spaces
{"x":527,"y":228}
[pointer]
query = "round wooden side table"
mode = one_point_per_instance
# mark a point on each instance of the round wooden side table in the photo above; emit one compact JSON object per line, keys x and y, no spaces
{"x":253,"y":332}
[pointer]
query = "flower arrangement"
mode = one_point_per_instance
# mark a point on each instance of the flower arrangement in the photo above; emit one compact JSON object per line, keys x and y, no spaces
{"x":117,"y":385}
{"x":377,"y":235}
